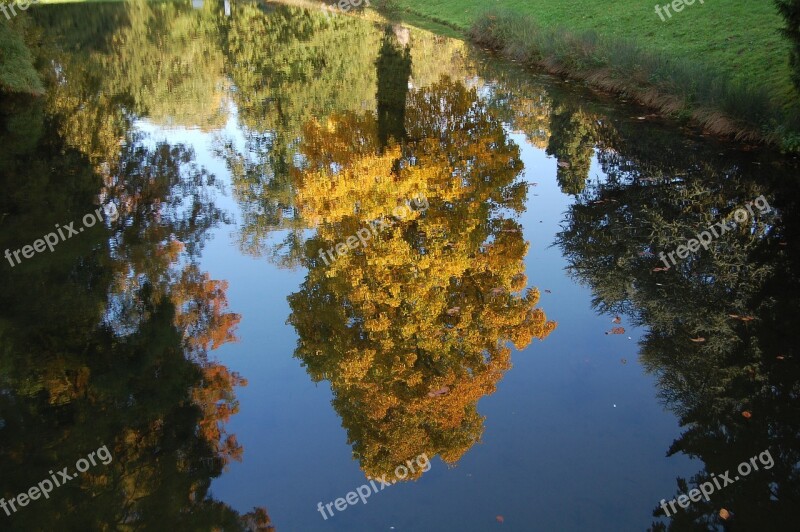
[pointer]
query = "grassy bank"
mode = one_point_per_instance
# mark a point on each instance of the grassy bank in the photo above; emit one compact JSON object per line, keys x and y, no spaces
{"x":724,"y":62}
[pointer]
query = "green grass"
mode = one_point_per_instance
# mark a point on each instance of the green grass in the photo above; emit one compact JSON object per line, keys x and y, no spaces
{"x":737,"y":38}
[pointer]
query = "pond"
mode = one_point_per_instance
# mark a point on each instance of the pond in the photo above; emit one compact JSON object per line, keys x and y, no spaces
{"x":268,"y":265}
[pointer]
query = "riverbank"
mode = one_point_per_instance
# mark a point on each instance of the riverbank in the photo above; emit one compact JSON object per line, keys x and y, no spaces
{"x":722,"y":64}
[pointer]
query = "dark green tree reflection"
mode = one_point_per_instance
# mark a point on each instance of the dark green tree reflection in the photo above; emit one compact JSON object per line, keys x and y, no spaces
{"x":394,"y":68}
{"x":720,"y":323}
{"x":572,"y":143}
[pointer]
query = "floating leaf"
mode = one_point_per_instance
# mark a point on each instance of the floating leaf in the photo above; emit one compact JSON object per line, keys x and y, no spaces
{"x":780,"y":357}
{"x":497,"y":291}
{"x":724,"y":514}
{"x":659,"y":269}
{"x":698,"y":340}
{"x":440,"y":392}
{"x":563,"y":164}
{"x":746,"y":414}
{"x":617,"y":330}
{"x":500,"y":519}
{"x":617,"y":320}
{"x":453,"y":311}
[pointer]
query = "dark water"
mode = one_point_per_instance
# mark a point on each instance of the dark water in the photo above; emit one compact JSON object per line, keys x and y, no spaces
{"x":513,"y":333}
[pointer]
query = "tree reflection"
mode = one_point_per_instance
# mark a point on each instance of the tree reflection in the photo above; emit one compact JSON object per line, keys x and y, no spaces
{"x":572,"y":143}
{"x":290,"y":73}
{"x":412,"y":328}
{"x":719,"y":323}
{"x":105,"y":341}
{"x":394,"y":69}
{"x":288,"y":66}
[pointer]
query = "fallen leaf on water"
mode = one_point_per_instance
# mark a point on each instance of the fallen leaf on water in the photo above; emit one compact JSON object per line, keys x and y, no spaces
{"x":746,"y":414}
{"x":563,"y":164}
{"x":734,"y":316}
{"x":724,"y":514}
{"x":659,"y":269}
{"x":780,"y":357}
{"x":699,"y":339}
{"x":617,"y":330}
{"x":500,"y":519}
{"x":438,"y":393}
{"x":497,"y":291}
{"x":453,"y":311}
{"x":617,"y":320}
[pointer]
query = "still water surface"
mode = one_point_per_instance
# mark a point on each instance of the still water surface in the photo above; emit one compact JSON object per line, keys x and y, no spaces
{"x":518,"y":330}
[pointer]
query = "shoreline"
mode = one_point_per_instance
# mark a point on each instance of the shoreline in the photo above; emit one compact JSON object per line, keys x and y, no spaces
{"x":672,"y":88}
{"x":694,"y":93}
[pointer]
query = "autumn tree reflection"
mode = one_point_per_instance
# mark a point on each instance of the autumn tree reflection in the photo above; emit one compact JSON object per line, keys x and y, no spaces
{"x":288,"y":67}
{"x":290,"y":72}
{"x":106,"y":341}
{"x":412,"y":329}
